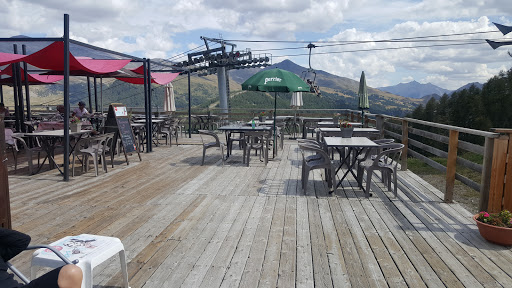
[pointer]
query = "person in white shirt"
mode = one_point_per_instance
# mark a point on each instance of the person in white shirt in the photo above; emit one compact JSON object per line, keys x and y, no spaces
{"x":80,"y":111}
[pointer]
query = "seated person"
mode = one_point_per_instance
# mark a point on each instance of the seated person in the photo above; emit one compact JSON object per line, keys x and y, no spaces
{"x":80,"y":111}
{"x":59,"y":115}
{"x":3,"y":110}
{"x":11,"y":244}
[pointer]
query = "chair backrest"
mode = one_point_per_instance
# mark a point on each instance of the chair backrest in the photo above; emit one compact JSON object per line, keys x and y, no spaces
{"x":318,"y":150}
{"x":8,"y":137}
{"x":254,"y":136}
{"x":389,"y":154}
{"x":211,"y":134}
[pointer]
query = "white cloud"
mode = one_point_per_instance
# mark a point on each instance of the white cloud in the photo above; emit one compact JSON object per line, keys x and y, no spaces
{"x":160,"y":28}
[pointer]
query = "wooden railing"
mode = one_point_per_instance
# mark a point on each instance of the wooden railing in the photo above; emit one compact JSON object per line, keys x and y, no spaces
{"x":495,"y":191}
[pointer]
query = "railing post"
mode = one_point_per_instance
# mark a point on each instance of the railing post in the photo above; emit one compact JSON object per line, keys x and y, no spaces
{"x":405,"y":141}
{"x":451,"y":165}
{"x":379,"y":123}
{"x":486,"y":174}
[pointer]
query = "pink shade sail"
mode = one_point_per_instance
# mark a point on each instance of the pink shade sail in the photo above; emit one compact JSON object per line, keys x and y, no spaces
{"x":32,"y":78}
{"x":8,"y":58}
{"x":157,"y":78}
{"x":51,"y":58}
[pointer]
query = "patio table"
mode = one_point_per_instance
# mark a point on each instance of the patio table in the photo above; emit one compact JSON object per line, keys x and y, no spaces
{"x":155,"y":124}
{"x":331,"y":124}
{"x":329,"y":132}
{"x":228,"y":129}
{"x":305,"y":120}
{"x":49,"y":141}
{"x":354,"y":144}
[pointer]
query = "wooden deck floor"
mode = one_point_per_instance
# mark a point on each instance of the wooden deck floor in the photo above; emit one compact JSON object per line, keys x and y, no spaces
{"x":186,"y":225}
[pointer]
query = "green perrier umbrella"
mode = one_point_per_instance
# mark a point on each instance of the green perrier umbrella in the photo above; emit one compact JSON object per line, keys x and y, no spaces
{"x":363,"y":96}
{"x":275,"y":80}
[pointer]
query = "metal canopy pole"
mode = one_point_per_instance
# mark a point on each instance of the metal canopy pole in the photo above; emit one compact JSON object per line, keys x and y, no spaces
{"x":66,"y":97}
{"x":146,"y":110}
{"x":15,"y":92}
{"x":189,"y":108}
{"x":27,"y":90}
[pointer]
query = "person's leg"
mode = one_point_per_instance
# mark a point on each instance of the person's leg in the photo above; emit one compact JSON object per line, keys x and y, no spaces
{"x":48,"y":280}
{"x":70,"y":276}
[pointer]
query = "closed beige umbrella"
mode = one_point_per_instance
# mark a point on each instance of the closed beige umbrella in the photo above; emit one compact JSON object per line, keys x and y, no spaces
{"x":169,"y":104}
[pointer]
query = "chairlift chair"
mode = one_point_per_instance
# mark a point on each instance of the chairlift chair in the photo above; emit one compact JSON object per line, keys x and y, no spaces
{"x":311,"y":73}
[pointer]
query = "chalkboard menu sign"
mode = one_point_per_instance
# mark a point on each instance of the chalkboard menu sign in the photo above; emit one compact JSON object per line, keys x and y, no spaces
{"x":126,"y":134}
{"x":117,"y":121}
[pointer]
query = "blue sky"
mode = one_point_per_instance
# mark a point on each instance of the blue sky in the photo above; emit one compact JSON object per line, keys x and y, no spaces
{"x":164,"y":29}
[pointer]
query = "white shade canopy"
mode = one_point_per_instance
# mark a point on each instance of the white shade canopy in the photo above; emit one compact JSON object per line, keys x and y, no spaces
{"x":296,"y":100}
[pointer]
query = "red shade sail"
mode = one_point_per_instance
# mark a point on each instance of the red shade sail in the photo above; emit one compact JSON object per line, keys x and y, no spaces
{"x":51,"y":58}
{"x":8,"y":58}
{"x":157,"y":78}
{"x":32,"y":78}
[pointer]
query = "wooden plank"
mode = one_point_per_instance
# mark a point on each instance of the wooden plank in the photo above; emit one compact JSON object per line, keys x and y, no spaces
{"x":197,"y":269}
{"x":370,"y":265}
{"x":498,"y":174}
{"x":355,"y":271}
{"x":334,"y":251}
{"x":254,"y":264}
{"x":270,"y":268}
{"x":476,"y":261}
{"x":412,"y":249}
{"x":383,"y":258}
{"x":321,"y":273}
{"x":304,"y":254}
{"x":454,"y":272}
{"x":288,"y":253}
{"x":220,"y":264}
{"x":238,"y":262}
{"x":403,"y":264}
{"x":507,"y":197}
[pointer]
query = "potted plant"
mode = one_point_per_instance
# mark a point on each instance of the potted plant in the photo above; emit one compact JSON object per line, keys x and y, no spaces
{"x":263,"y":116}
{"x":495,"y":227}
{"x":336,"y":117}
{"x":346,"y":129}
{"x":75,"y":124}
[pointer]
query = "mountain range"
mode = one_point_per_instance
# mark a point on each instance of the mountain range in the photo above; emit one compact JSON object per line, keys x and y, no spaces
{"x":417,"y":90}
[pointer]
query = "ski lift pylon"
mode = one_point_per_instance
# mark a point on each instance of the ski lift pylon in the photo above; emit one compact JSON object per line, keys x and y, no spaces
{"x":306,"y":75}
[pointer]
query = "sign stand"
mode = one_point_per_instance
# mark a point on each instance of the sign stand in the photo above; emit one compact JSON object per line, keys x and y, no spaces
{"x":118,"y":121}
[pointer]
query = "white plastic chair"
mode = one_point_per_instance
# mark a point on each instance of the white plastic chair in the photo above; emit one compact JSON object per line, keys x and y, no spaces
{"x":94,"y":147}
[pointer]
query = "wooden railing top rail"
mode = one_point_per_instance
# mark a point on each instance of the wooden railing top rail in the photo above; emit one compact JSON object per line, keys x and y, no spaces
{"x":450,"y":127}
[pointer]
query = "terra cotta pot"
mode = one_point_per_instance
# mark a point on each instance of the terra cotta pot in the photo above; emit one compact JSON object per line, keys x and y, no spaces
{"x":495,"y":234}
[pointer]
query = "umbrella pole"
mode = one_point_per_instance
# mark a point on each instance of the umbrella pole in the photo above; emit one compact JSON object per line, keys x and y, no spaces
{"x":362,"y":117}
{"x":274,"y":150}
